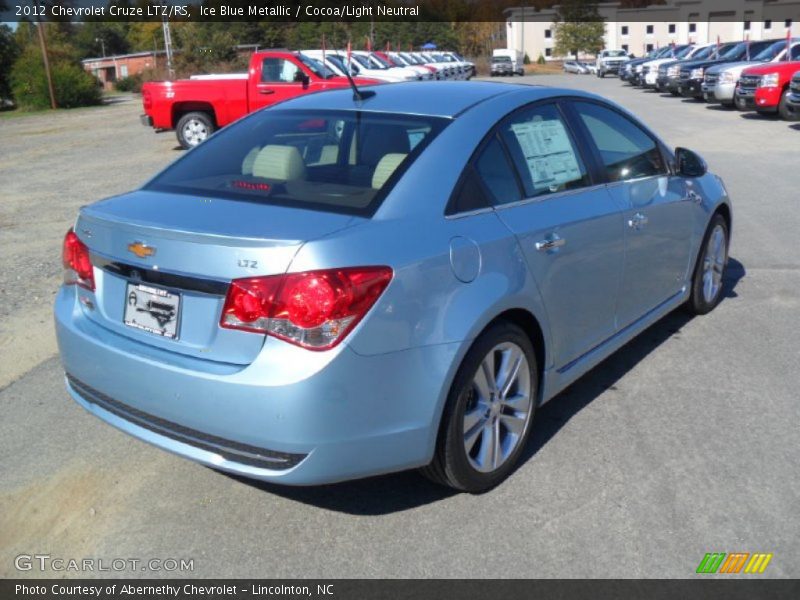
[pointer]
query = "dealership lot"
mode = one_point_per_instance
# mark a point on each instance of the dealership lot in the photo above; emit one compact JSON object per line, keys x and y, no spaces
{"x":683,"y":443}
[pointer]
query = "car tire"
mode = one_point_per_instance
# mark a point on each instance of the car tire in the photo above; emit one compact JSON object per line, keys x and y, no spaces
{"x":194,"y":128}
{"x":709,"y":271}
{"x":497,"y":418}
{"x":786,"y":112}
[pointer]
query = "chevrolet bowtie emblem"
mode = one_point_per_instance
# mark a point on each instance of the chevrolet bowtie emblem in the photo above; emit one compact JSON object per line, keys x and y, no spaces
{"x":141,"y":249}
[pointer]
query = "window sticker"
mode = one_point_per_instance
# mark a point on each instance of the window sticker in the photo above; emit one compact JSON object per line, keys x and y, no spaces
{"x":548,"y":153}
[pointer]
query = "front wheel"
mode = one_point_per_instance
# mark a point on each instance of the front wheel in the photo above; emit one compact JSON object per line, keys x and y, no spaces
{"x":786,"y":112}
{"x":487,"y":417}
{"x":710,"y":268}
{"x":194,"y":128}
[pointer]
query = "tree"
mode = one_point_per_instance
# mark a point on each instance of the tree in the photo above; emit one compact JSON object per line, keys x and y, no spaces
{"x":72,"y":85}
{"x":578,"y":28}
{"x":9,"y":50}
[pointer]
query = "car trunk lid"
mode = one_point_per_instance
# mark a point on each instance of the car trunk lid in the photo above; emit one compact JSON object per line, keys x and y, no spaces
{"x":163,"y":263}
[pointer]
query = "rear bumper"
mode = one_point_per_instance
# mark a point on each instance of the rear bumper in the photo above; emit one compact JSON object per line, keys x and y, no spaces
{"x":292,"y":416}
{"x":146,"y":120}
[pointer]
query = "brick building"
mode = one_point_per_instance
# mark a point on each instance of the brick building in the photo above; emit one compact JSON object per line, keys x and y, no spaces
{"x":110,"y":68}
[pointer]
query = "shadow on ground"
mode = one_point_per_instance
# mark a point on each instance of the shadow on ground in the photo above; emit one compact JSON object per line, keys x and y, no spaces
{"x":757,"y":116}
{"x":403,"y":491}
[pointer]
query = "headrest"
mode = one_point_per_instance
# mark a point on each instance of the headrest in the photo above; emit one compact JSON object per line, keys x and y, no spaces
{"x":386,"y":166}
{"x":249,"y":159}
{"x":282,"y":163}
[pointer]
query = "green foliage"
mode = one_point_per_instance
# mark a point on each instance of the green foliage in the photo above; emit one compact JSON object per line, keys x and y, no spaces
{"x":92,"y":38}
{"x":578,"y":28}
{"x":9,"y":51}
{"x":129,"y":84}
{"x":526,"y":60}
{"x":541,"y":60}
{"x":72,"y":85}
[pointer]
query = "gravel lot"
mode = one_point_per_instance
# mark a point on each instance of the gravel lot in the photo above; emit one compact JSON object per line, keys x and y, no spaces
{"x":683,"y":443}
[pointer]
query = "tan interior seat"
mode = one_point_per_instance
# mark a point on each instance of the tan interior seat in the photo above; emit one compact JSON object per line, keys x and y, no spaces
{"x":282,"y":163}
{"x":385,"y":167}
{"x":249,"y":159}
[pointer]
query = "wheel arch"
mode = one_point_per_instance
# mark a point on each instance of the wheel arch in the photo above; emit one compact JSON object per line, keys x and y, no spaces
{"x":181,"y":108}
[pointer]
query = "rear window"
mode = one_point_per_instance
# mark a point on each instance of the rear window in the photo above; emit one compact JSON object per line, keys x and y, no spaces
{"x":336,"y":161}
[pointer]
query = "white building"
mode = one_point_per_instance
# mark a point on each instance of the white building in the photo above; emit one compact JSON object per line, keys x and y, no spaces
{"x":639,"y":30}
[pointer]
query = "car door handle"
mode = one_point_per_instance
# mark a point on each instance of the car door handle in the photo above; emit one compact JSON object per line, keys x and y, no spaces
{"x":553,"y":243}
{"x":265,"y":92}
{"x":638,"y":221}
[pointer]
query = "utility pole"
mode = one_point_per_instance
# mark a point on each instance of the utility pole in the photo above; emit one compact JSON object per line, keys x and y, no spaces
{"x":102,"y":45}
{"x":43,"y":44}
{"x":168,"y":47}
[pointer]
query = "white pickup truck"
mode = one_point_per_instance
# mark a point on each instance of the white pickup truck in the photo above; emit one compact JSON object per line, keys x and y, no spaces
{"x":610,"y":61}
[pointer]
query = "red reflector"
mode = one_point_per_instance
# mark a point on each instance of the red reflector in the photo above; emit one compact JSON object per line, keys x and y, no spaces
{"x":315,"y":309}
{"x":77,"y":262}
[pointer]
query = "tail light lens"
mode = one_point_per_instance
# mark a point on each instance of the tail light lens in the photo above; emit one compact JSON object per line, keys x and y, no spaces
{"x":147,"y":100}
{"x":314,"y":309}
{"x":77,"y":263}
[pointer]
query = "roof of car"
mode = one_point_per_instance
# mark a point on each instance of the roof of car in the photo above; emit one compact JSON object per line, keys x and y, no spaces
{"x":431,"y":98}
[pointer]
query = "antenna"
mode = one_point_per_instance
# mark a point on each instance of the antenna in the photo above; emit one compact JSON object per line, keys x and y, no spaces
{"x":358,"y":95}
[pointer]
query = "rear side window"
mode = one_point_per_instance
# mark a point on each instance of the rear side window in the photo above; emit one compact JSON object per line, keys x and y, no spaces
{"x":337,"y":161}
{"x":497,"y":174}
{"x":626,"y":150}
{"x":543,"y":151}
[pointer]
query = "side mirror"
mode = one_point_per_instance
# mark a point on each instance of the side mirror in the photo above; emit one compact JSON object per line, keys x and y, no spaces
{"x":300,"y":77}
{"x":689,"y":164}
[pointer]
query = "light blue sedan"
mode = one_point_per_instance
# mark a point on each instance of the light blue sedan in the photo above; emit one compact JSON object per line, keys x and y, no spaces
{"x":339,"y":287}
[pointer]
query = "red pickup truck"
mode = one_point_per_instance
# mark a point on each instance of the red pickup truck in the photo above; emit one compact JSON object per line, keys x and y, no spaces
{"x":196,"y":107}
{"x":765,"y":88}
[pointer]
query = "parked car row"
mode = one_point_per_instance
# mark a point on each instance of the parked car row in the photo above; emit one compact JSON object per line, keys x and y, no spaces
{"x":393,"y":67}
{"x":763,"y":75}
{"x":195,"y":108}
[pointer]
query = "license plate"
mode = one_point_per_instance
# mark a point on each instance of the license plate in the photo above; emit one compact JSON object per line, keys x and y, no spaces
{"x":152,"y":309}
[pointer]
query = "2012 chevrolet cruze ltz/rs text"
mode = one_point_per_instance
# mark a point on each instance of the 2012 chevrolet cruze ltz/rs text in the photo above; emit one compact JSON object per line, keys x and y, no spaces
{"x":343,"y":285}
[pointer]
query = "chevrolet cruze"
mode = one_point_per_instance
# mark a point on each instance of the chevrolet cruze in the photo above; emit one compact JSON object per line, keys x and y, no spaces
{"x":352,"y":284}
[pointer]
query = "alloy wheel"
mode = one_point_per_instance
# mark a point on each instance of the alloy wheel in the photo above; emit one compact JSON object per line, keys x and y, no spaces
{"x":194,"y":132}
{"x":498,"y":408}
{"x":714,"y":264}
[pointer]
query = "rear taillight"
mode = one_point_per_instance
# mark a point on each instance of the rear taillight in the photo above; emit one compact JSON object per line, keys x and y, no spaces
{"x":147,"y":100}
{"x":77,"y":263}
{"x":315,"y":309}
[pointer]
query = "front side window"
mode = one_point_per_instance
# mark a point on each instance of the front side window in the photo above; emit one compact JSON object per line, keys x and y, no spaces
{"x":337,"y":161}
{"x":543,"y":151}
{"x":627,"y":152}
{"x":278,"y":70}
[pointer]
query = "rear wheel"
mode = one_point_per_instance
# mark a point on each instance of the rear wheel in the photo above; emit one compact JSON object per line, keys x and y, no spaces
{"x":194,"y":128}
{"x":710,"y":268}
{"x":488,"y":414}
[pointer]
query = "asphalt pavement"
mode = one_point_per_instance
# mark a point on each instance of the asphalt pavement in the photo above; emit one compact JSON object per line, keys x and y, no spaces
{"x":684,"y":442}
